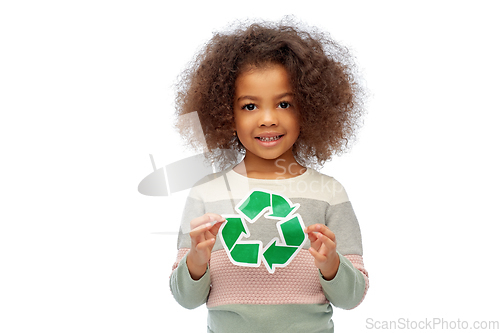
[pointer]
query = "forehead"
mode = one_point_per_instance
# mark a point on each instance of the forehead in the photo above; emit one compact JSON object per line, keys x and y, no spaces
{"x":262,"y":79}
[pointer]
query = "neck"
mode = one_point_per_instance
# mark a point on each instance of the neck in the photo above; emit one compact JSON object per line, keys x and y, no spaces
{"x":280,"y":168}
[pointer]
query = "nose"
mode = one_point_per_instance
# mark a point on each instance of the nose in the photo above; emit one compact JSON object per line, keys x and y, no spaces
{"x":268,"y":117}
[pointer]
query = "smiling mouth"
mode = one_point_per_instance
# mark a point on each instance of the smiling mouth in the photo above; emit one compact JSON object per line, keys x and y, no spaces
{"x":268,"y":139}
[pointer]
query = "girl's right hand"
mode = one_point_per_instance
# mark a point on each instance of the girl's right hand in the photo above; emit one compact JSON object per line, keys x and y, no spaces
{"x":203,"y":235}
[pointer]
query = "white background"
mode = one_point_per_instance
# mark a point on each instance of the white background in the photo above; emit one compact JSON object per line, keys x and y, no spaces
{"x":86,"y":95}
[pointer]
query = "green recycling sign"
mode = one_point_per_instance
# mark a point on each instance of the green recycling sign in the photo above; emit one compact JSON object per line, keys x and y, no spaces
{"x":280,"y":251}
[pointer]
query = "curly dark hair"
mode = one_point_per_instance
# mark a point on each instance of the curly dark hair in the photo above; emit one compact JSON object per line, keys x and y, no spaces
{"x":323,"y":75}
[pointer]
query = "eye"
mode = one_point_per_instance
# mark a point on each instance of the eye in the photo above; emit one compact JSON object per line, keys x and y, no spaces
{"x":284,"y":105}
{"x":249,"y":107}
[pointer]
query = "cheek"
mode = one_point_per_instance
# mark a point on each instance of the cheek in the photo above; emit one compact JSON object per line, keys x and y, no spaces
{"x":294,"y":124}
{"x":241,"y":127}
{"x":236,"y":120}
{"x":238,"y":124}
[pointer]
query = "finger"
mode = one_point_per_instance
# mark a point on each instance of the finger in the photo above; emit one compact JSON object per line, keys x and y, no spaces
{"x":316,"y":244}
{"x":318,"y":256}
{"x":208,"y":244}
{"x":199,"y":221}
{"x":329,"y":243}
{"x":205,"y":218}
{"x":214,"y":218}
{"x":212,"y":231}
{"x":315,"y":241}
{"x":310,"y":229}
{"x":200,"y":230}
{"x":215,"y":228}
{"x":312,"y":237}
{"x":318,"y":227}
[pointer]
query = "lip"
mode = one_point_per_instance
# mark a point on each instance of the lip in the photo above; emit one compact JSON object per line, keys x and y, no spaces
{"x":269,"y":135}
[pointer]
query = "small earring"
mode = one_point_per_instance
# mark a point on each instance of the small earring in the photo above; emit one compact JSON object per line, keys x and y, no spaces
{"x":234,"y":133}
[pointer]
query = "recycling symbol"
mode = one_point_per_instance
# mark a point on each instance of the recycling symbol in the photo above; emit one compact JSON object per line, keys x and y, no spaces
{"x":280,"y":251}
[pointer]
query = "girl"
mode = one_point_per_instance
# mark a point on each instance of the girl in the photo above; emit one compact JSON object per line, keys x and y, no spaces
{"x":271,"y":244}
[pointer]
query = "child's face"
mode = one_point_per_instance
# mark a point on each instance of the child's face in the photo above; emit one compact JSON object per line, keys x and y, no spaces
{"x":265,"y":116}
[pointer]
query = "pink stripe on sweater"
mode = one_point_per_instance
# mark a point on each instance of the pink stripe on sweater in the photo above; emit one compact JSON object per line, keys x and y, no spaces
{"x":297,"y":284}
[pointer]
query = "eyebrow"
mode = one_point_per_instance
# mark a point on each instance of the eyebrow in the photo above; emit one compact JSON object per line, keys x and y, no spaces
{"x":253,"y":98}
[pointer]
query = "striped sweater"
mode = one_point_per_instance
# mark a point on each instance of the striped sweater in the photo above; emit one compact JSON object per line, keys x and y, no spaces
{"x":267,"y":296}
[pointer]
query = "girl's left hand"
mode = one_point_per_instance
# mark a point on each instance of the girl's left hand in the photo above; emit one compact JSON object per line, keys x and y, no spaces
{"x":323,"y":249}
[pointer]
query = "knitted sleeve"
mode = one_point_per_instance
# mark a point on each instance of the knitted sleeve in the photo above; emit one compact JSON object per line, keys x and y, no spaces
{"x":187,"y":292}
{"x":348,"y":289}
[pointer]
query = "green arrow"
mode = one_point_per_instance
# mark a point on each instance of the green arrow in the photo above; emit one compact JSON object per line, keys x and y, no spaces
{"x":254,"y":204}
{"x":249,"y":253}
{"x":278,"y":255}
{"x":246,"y":253}
{"x":292,"y":231}
{"x":281,"y":207}
{"x":232,"y":230}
